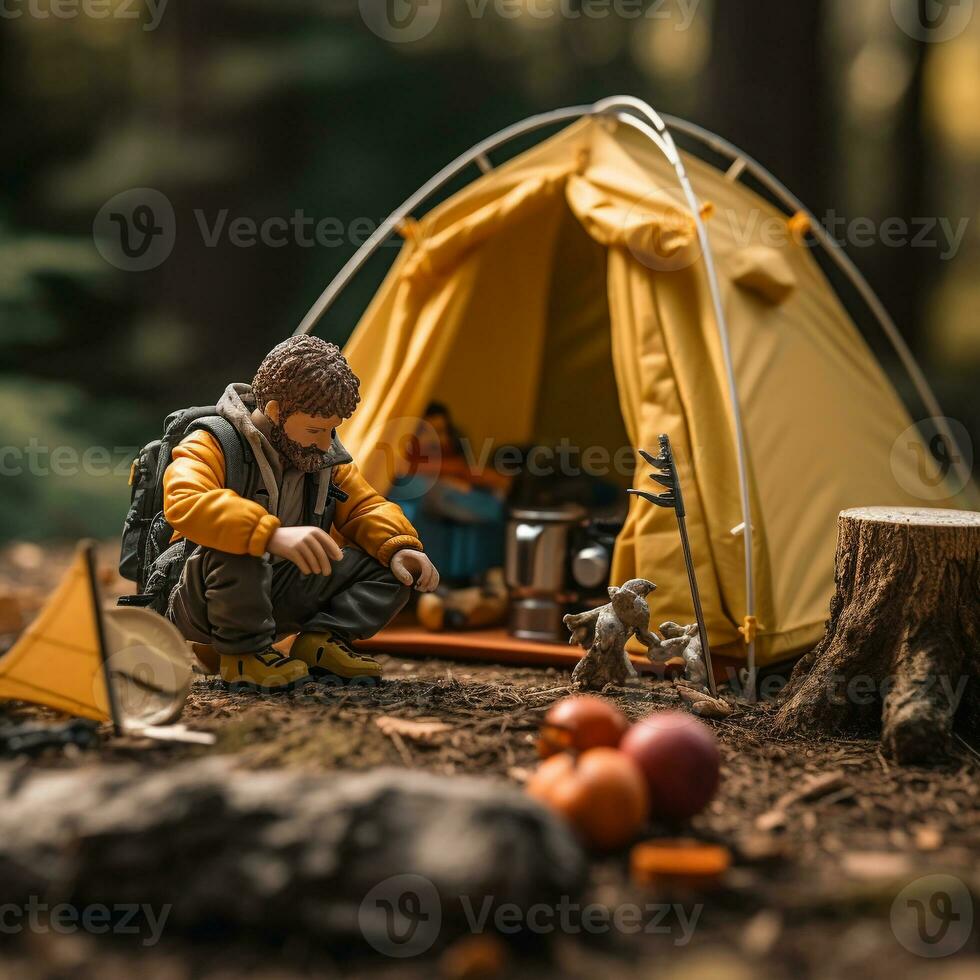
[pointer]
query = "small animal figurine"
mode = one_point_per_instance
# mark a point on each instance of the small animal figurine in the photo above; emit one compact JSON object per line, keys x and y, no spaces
{"x":683,"y":641}
{"x":603,"y":633}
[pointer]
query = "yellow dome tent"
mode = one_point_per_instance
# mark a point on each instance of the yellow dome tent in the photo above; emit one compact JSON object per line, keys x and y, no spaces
{"x":604,"y":288}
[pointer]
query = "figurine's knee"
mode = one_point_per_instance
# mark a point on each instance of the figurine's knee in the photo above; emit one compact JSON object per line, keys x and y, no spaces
{"x":234,"y":581}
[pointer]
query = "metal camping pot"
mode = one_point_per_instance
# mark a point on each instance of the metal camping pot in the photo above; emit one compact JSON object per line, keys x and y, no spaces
{"x":537,"y":570}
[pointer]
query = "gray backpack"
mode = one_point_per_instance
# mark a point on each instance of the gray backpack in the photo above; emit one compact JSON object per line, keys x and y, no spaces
{"x":146,"y":556}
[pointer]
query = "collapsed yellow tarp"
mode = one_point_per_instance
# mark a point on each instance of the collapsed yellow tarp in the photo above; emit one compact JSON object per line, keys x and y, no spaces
{"x":563,"y":296}
{"x":57,"y":661}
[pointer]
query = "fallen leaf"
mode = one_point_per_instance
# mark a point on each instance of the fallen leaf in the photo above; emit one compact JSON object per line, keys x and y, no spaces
{"x":812,"y":788}
{"x":417,"y":730}
{"x":702,"y":704}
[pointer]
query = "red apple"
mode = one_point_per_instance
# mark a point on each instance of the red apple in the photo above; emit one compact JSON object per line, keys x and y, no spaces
{"x":579,"y":723}
{"x":679,"y":757}
{"x":601,"y":793}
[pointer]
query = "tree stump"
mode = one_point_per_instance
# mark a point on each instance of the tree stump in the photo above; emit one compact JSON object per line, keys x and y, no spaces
{"x":902,"y":645}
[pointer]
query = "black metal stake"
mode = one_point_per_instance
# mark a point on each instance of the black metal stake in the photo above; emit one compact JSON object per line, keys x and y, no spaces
{"x":674,"y":499}
{"x":88,"y":550}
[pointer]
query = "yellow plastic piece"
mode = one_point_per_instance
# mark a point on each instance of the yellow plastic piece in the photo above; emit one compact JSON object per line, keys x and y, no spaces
{"x":57,"y":661}
{"x":799,"y":225}
{"x":749,"y":629}
{"x":409,"y":229}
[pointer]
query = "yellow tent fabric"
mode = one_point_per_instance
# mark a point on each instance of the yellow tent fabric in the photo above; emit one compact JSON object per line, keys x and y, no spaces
{"x":563,"y":296}
{"x":57,"y":661}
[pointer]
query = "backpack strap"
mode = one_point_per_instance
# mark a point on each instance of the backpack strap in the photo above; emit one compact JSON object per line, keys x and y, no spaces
{"x":236,"y":473}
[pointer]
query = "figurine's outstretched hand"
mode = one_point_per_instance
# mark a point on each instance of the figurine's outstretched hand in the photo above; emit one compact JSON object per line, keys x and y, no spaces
{"x":310,"y":549}
{"x":412,"y":567}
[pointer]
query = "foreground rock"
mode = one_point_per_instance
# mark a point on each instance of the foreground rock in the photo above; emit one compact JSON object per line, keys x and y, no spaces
{"x":283,"y":852}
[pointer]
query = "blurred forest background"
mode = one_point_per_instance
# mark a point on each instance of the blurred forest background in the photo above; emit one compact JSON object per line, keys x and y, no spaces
{"x":266,"y":107}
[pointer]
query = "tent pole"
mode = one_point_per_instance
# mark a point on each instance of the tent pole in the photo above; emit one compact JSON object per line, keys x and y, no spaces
{"x":721,"y":324}
{"x":88,"y":550}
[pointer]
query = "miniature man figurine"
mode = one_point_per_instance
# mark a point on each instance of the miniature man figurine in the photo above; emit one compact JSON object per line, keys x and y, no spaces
{"x":265,"y":565}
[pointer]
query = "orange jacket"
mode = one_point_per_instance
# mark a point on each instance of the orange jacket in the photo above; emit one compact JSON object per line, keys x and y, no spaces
{"x":198,"y":506}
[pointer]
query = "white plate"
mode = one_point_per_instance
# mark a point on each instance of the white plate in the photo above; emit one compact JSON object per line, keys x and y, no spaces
{"x":149,"y":665}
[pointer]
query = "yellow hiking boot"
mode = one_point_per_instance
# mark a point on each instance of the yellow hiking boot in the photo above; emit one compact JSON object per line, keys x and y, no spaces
{"x":267,"y":672}
{"x":330,"y":658}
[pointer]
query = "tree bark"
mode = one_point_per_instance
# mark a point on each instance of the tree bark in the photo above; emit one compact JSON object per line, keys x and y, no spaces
{"x":903,"y":641}
{"x":768,"y":90}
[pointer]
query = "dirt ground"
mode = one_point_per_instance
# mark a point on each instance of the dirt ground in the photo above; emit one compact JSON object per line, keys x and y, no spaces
{"x":816,"y":888}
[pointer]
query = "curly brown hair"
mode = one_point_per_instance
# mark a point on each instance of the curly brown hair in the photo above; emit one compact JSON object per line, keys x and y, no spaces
{"x":307,"y":374}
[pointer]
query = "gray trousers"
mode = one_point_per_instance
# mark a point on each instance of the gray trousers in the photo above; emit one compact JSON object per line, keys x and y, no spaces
{"x":240,"y":604}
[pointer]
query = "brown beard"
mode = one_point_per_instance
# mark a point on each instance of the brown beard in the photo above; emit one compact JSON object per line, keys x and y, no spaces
{"x":306,"y":459}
